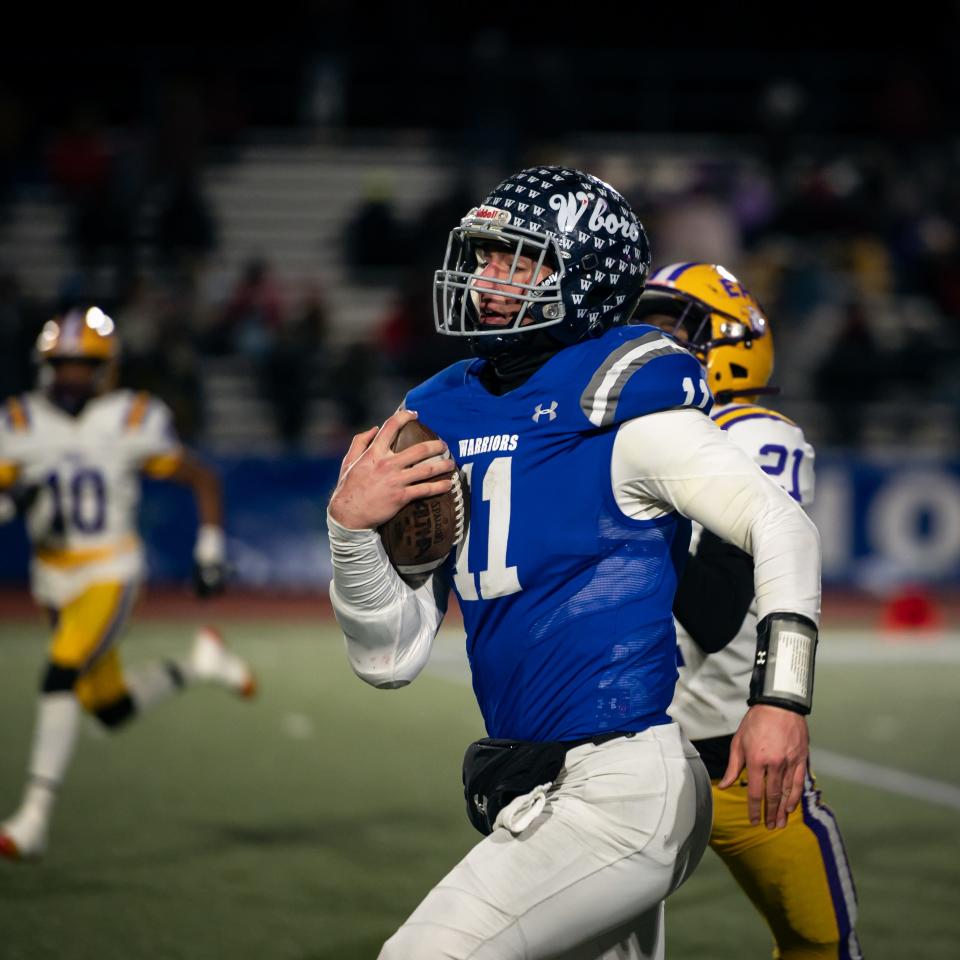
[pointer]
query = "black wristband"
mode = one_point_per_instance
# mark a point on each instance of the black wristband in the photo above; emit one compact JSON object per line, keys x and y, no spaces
{"x":784,"y":664}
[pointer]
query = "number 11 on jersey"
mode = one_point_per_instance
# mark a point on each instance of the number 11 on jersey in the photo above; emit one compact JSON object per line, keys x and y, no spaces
{"x":497,"y":580}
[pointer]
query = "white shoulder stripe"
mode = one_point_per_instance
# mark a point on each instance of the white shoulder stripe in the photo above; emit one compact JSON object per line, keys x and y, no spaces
{"x":599,"y":401}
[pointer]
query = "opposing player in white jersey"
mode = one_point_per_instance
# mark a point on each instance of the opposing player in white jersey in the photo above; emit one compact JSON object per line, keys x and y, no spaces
{"x":799,"y":877}
{"x":587,"y":445}
{"x":72,"y":454}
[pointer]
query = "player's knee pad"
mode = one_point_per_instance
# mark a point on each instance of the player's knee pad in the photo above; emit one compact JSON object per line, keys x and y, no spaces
{"x":57,"y":679}
{"x":116,"y":714}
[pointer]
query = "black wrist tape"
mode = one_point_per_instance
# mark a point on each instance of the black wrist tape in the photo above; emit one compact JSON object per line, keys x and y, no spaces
{"x":783,"y":668}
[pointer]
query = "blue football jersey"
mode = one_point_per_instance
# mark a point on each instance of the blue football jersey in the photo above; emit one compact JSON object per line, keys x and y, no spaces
{"x":566,"y":602}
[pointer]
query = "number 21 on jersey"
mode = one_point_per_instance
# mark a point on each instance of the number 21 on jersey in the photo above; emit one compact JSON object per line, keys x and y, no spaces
{"x":497,"y":579}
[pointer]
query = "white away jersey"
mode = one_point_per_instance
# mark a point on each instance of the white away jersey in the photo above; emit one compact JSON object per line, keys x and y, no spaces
{"x":711,"y":694}
{"x":86,"y":470}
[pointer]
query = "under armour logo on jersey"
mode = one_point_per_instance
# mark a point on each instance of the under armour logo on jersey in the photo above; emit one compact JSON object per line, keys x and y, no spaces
{"x":550,"y":412}
{"x":761,"y":658}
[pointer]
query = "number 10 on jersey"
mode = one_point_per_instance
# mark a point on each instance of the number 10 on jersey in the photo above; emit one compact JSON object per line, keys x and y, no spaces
{"x":497,"y":580}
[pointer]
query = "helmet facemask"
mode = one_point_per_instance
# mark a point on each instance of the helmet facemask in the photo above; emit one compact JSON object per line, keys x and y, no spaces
{"x":460,"y":286}
{"x":579,"y":227}
{"x":71,"y":393}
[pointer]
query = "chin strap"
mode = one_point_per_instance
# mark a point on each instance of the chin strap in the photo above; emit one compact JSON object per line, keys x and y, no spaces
{"x":507,"y":370}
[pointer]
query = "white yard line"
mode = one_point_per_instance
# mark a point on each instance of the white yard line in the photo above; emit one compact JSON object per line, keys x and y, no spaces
{"x":885,"y":778}
{"x":868,"y":648}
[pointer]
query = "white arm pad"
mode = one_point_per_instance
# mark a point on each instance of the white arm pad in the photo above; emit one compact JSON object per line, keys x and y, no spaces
{"x":680,"y":459}
{"x":389,"y":626}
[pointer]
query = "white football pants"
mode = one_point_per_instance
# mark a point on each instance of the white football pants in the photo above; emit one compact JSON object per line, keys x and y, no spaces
{"x":623,"y":826}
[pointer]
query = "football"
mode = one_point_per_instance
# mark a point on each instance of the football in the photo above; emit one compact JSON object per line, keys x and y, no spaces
{"x":421,"y":535}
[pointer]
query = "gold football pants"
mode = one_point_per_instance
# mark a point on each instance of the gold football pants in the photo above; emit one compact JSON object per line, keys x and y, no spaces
{"x":797,"y":877}
{"x":85,"y":633}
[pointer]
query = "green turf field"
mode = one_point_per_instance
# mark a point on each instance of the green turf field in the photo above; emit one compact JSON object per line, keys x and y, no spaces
{"x":308,"y":824}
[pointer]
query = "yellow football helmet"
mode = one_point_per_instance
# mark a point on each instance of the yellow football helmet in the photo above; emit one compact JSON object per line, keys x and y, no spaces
{"x":719,"y":320}
{"x":78,"y":355}
{"x":79,"y":335}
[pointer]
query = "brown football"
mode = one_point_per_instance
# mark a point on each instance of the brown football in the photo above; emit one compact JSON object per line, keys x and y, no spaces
{"x":421,"y":535}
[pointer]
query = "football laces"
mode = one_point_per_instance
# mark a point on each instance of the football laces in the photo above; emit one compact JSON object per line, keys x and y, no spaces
{"x":457,"y":489}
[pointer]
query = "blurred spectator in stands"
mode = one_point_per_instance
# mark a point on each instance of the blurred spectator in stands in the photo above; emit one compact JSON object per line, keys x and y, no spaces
{"x":938,"y":263}
{"x":697,"y":227}
{"x":18,"y":329}
{"x":312,"y":320}
{"x":102,"y":213}
{"x":180,"y":133}
{"x":158,"y":352}
{"x":351,"y":386}
{"x":184,"y":230}
{"x":924,"y":353}
{"x":253,"y":315}
{"x":291,"y":364}
{"x":375,"y":240}
{"x":138,"y":321}
{"x":285,"y":378}
{"x":850,"y":375}
{"x":407,"y":337}
{"x":226,"y":120}
{"x":80,"y":156}
{"x":429,"y":235}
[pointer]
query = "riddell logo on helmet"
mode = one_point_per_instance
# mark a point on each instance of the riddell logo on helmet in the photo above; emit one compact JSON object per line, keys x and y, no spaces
{"x":501,"y":217}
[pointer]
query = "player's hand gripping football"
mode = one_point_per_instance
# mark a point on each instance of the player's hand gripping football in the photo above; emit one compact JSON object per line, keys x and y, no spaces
{"x":773,"y":745}
{"x":375,"y":482}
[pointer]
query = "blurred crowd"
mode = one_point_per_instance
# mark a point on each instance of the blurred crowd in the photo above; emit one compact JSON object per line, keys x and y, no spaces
{"x":852,"y":246}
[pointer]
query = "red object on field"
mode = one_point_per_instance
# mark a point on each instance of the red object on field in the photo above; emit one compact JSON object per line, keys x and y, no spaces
{"x":912,"y":609}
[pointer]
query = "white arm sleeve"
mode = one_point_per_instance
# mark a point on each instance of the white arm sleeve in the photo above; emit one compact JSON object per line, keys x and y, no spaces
{"x":389,"y":626}
{"x":680,"y":459}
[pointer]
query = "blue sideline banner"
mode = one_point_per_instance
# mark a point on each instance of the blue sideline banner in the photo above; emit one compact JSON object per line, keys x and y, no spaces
{"x":883,"y":521}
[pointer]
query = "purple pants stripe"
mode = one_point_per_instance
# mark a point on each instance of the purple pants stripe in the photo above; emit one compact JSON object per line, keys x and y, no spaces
{"x":820,"y":819}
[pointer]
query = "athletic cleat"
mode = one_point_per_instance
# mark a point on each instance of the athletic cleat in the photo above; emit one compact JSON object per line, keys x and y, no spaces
{"x":212,"y":662}
{"x":23,"y":836}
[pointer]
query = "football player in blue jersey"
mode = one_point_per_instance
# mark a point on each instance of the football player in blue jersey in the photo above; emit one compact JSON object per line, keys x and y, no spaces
{"x":587,"y":448}
{"x":798,"y":878}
